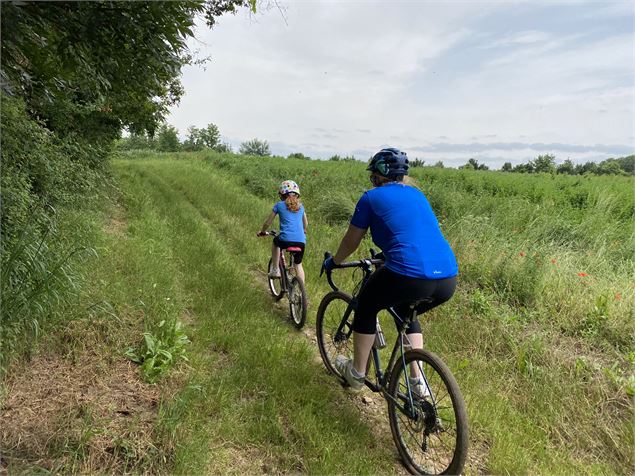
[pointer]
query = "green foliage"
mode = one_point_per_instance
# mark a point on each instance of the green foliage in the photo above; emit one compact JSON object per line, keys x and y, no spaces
{"x":108,"y":64}
{"x":547,"y":164}
{"x":255,"y":147}
{"x":198,"y":139}
{"x":439,"y":164}
{"x":160,"y":349}
{"x":168,"y":139}
{"x":140,"y":141}
{"x":416,"y":162}
{"x":298,"y":155}
{"x":223,"y":148}
{"x":473,"y":164}
{"x":42,"y":178}
{"x":544,"y":164}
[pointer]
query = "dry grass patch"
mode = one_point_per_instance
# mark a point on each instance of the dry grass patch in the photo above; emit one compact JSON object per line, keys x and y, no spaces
{"x":91,"y":415}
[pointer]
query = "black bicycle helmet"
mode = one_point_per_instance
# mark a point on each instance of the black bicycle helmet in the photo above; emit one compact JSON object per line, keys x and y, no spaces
{"x":389,"y":163}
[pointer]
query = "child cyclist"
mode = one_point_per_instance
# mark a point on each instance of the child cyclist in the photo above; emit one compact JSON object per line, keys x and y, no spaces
{"x":293,"y":223}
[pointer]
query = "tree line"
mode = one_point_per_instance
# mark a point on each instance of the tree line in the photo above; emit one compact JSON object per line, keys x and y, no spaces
{"x":547,"y":164}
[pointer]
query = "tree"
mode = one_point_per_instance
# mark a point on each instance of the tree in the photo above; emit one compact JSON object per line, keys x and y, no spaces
{"x":610,"y":167}
{"x":255,"y":147}
{"x":224,"y":147}
{"x":439,"y":164}
{"x":168,"y":139}
{"x":472,"y":164}
{"x":210,"y":136}
{"x":527,"y":168}
{"x":417,"y":162}
{"x":566,"y":167}
{"x":193,"y":140}
{"x":95,"y":67}
{"x":544,"y":164}
{"x":586,"y":168}
{"x":507,"y":167}
{"x":298,"y":155}
{"x":335,"y":158}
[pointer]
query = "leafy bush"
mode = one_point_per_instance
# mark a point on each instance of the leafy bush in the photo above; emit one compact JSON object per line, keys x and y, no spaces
{"x":43,"y":178}
{"x":255,"y":147}
{"x":160,"y":349}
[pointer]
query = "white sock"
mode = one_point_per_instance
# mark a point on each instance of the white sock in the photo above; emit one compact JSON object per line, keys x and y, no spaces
{"x":356,"y":374}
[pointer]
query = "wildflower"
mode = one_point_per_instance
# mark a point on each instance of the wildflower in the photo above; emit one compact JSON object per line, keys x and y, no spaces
{"x":522,"y":253}
{"x":582,"y":275}
{"x":553,"y":261}
{"x":618,"y":296}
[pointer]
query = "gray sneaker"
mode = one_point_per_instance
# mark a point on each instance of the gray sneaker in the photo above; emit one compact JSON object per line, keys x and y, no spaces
{"x":418,"y":387}
{"x":344,"y":366}
{"x":274,"y":273}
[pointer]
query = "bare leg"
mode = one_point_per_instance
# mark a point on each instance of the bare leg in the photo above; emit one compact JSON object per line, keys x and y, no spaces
{"x":275,"y":256}
{"x":362,"y":343}
{"x":416,"y":342}
{"x":299,"y":272}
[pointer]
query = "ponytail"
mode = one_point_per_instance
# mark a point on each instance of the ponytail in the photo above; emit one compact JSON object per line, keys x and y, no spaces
{"x":292,"y":201}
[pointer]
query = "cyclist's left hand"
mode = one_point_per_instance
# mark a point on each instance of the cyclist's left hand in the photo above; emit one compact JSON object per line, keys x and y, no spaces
{"x":261,"y":233}
{"x":329,"y":264}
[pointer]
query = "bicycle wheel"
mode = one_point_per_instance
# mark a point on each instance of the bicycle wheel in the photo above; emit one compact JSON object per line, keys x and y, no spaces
{"x":275,"y":284}
{"x":328,"y":321}
{"x":297,"y":302}
{"x":432,"y":437}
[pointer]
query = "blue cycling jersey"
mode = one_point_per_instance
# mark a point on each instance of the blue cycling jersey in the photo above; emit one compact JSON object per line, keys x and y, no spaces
{"x":291,"y":226}
{"x":404,"y":226}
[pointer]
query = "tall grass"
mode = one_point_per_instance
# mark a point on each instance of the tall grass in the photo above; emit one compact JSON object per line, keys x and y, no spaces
{"x":539,"y":333}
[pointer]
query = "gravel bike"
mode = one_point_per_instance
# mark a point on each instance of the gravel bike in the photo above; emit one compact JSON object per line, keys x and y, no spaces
{"x":288,"y":284}
{"x":427,"y":414}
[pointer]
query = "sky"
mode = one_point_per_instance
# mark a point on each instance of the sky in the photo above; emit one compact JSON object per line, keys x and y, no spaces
{"x":496,"y":81}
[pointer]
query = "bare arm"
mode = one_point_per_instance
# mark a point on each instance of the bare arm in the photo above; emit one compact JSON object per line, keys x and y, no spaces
{"x":268,"y":221}
{"x":305,"y":222}
{"x":350,"y":242}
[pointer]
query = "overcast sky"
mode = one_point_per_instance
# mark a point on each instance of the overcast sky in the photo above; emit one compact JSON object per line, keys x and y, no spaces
{"x":498,"y":81}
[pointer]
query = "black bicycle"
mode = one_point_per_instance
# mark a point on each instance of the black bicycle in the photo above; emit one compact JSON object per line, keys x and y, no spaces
{"x":426,"y":410}
{"x":288,"y":284}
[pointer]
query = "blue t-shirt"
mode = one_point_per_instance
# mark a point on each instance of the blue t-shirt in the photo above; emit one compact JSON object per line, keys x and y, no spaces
{"x":291,"y":226}
{"x":404,"y":226}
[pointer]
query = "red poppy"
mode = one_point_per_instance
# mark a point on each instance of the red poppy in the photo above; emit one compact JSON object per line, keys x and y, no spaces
{"x":553,"y":261}
{"x":618,"y":296}
{"x":522,"y":253}
{"x":582,"y":275}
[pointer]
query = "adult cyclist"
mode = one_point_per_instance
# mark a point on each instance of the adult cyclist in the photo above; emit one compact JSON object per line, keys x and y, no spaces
{"x":419,"y":263}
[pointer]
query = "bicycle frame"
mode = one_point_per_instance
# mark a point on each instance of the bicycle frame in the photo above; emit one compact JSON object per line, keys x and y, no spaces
{"x":398,"y":348}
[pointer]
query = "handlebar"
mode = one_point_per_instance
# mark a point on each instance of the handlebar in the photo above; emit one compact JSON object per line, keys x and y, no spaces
{"x":273,"y":233}
{"x":365,"y":264}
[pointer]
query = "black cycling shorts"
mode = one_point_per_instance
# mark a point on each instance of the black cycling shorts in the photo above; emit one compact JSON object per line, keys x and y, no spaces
{"x":297,"y":255}
{"x":386,"y":289}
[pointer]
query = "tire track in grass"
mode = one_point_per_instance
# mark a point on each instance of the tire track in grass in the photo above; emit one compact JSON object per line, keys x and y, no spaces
{"x":269,"y":395}
{"x":371,"y":408}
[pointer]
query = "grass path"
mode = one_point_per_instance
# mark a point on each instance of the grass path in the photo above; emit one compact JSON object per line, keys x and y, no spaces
{"x":257,"y":401}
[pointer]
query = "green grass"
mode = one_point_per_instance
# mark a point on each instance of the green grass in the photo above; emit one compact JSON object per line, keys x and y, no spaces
{"x":541,"y":353}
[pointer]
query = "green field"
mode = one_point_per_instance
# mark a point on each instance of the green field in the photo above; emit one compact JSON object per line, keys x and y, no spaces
{"x":539,"y":334}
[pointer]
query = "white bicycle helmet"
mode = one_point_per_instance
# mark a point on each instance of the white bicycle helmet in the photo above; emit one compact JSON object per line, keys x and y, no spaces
{"x":289,"y":186}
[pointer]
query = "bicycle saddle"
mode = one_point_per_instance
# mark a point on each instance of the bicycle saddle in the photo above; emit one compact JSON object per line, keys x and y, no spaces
{"x":293,"y":249}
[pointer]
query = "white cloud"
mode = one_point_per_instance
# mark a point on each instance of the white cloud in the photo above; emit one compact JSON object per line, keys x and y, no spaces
{"x":345,"y":77}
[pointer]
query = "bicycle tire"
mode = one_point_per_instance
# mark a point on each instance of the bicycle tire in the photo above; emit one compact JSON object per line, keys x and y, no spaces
{"x":326,"y":324}
{"x":297,"y":302}
{"x":434,"y":418}
{"x":275,"y":284}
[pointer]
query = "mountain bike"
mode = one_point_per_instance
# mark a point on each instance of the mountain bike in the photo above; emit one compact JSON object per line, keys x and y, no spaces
{"x":288,"y":284}
{"x":427,"y":414}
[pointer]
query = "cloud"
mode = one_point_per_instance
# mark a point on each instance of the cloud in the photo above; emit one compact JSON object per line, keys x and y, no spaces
{"x":448,"y":80}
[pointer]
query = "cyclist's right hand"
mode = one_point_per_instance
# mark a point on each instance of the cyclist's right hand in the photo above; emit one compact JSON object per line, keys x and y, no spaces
{"x":261,"y":233}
